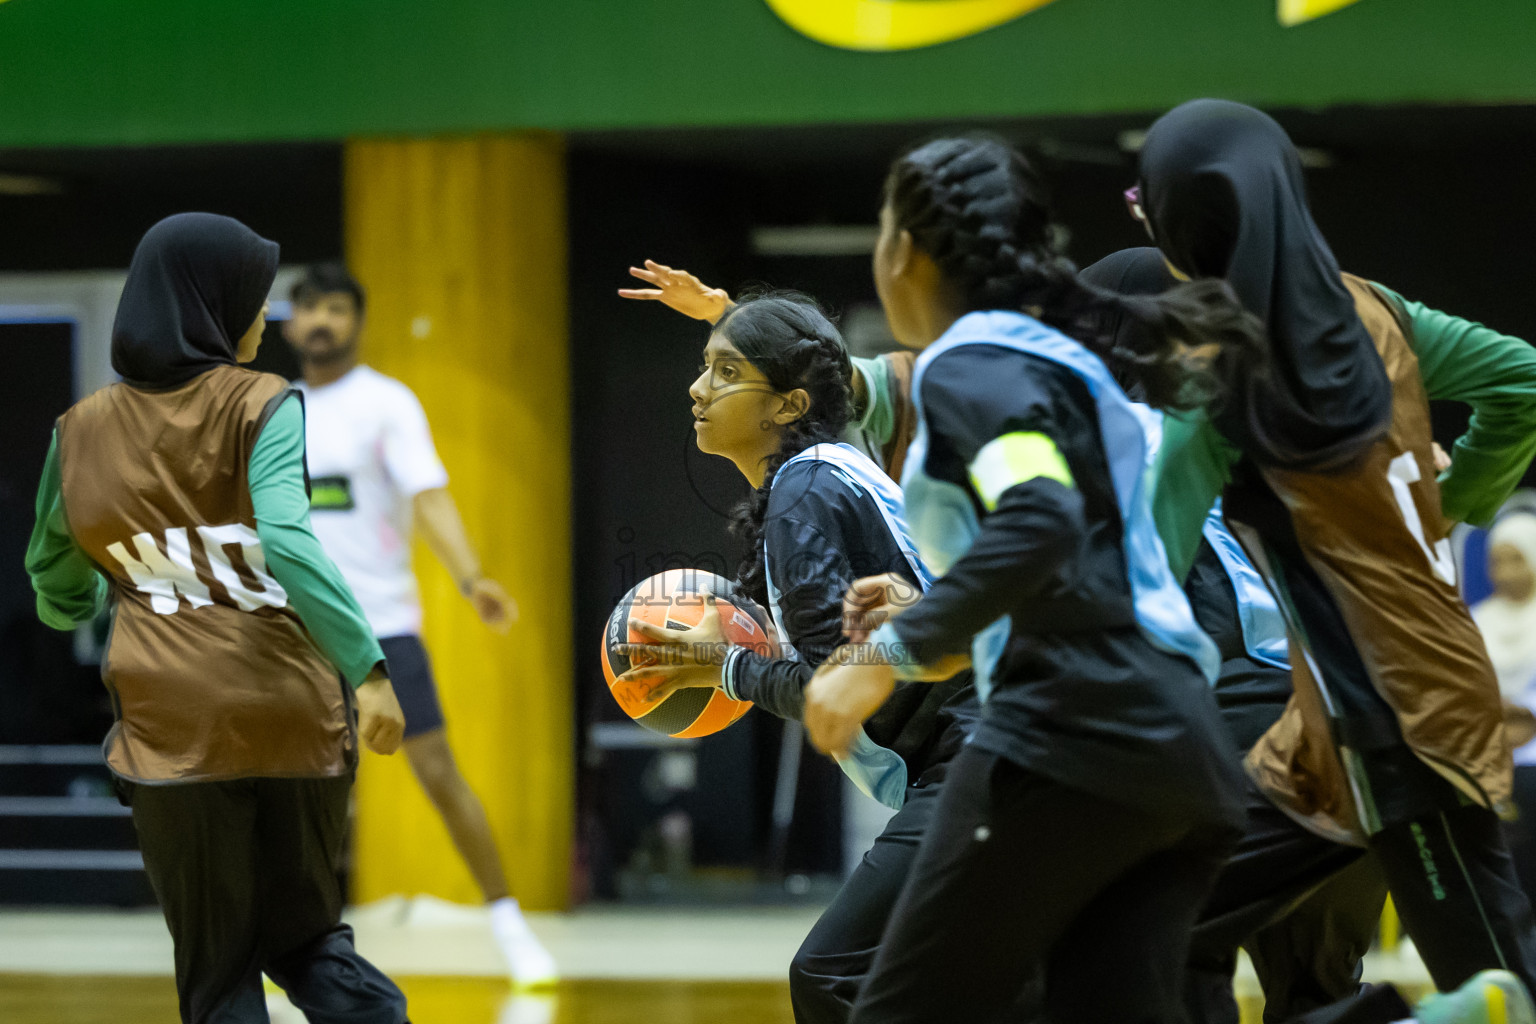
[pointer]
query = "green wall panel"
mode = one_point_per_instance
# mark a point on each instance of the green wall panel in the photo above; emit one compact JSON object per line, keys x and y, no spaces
{"x":91,"y":72}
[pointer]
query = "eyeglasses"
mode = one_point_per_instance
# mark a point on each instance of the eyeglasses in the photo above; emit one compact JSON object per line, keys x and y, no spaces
{"x":1132,"y":197}
{"x":1133,"y":203}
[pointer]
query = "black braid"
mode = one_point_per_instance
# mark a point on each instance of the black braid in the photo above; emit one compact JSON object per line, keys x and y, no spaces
{"x":978,"y":209}
{"x":787,"y":337}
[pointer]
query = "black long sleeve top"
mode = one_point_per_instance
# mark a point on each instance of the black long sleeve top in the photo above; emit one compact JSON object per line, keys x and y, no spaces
{"x":1080,"y":695}
{"x":823,"y":530}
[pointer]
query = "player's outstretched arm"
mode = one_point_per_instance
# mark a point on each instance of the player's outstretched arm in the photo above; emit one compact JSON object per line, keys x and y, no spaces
{"x":678,"y":290}
{"x":437,"y":517}
{"x":847,"y":688}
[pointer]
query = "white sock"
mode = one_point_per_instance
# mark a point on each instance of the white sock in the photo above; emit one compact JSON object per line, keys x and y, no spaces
{"x":507,"y":918}
{"x":529,"y":961}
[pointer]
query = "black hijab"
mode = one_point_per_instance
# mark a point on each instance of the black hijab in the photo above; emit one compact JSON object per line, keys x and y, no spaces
{"x":1128,"y":272}
{"x":194,"y":288}
{"x":1223,"y":191}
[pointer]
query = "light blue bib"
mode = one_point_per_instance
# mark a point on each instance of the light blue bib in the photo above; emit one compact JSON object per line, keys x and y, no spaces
{"x":878,"y":772}
{"x":1263,"y":625}
{"x":943,"y":519}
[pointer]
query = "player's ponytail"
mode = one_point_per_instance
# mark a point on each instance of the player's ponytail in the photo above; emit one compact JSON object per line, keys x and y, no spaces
{"x":977,"y":208}
{"x":1186,"y":348}
{"x":787,"y":337}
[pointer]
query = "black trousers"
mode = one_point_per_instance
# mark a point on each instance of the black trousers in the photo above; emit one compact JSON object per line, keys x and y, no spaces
{"x":1019,"y":876}
{"x":1310,"y":956}
{"x":246,"y":873}
{"x":1451,"y":878}
{"x":833,"y":961}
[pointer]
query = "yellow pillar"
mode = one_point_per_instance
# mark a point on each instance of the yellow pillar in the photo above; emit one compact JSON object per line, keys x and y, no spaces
{"x":461,"y":245}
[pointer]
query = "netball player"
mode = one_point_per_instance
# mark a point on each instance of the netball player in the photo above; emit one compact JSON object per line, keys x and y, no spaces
{"x":1394,"y":740}
{"x":377,"y":479}
{"x":1311,"y":957}
{"x":1081,"y":828}
{"x":774,"y":396}
{"x":237,"y":657}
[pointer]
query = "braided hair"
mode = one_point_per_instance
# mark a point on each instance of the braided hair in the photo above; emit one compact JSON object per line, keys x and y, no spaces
{"x":978,"y":209}
{"x":793,"y":344}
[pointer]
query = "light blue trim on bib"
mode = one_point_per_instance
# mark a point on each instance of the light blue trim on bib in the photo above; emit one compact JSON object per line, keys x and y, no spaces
{"x":877,"y":771}
{"x":1263,"y":625}
{"x":854,"y":468}
{"x":943,"y":517}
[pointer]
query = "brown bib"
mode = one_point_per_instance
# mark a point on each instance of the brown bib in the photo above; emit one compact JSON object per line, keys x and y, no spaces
{"x":211,"y":672}
{"x":1375,"y":535}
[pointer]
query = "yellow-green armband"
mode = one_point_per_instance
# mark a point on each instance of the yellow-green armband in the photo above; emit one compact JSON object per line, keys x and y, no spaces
{"x":1015,"y":459}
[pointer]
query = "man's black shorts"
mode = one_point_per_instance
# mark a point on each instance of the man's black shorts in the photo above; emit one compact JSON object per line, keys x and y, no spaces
{"x":410,"y":671}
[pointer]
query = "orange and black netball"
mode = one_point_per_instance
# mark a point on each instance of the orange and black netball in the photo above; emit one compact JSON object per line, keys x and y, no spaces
{"x":675,"y":599}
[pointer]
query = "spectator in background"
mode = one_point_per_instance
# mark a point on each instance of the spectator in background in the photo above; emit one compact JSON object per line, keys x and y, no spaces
{"x":1507,"y":619}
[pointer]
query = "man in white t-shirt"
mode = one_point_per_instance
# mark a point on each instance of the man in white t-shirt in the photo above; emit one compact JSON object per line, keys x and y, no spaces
{"x":375,"y":476}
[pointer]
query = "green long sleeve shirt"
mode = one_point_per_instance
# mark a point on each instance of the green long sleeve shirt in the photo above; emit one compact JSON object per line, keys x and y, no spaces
{"x":878,"y":420}
{"x":1495,"y":374}
{"x":71,"y":590}
{"x":1458,"y":361}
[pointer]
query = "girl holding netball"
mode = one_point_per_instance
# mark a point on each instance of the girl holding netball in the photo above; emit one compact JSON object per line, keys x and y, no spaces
{"x":773,"y":396}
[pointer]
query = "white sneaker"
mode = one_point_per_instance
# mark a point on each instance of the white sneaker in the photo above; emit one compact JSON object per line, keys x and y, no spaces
{"x":528,"y":961}
{"x":1489,"y":997}
{"x":528,"y":1008}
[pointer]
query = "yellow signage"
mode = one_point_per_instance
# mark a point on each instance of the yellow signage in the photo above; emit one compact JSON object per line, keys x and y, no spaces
{"x":1294,"y":12}
{"x":896,"y":24}
{"x":910,"y":24}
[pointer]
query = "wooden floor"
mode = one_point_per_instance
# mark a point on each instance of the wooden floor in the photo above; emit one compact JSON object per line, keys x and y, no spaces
{"x":52,"y":999}
{"x":56,"y":999}
{"x":39,"y":999}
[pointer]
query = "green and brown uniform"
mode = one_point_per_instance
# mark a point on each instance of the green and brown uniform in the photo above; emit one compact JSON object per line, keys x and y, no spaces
{"x":1393,"y":737}
{"x":233,"y":636}
{"x":1375,"y":535}
{"x":178,"y":498}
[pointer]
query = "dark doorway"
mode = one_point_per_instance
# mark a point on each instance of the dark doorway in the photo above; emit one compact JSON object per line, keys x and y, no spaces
{"x":46,"y":694}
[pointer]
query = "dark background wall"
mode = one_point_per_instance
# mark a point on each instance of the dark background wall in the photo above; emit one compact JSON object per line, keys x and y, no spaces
{"x":1431,"y":202}
{"x":45,"y":694}
{"x":84,"y":209}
